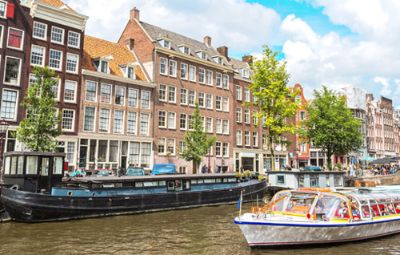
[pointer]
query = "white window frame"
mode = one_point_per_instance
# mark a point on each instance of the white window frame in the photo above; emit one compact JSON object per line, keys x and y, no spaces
{"x":209,"y":77}
{"x":218,"y":77}
{"x":45,"y":31}
{"x":165,"y":119}
{"x":137,"y":97}
{"x":73,"y":120}
{"x":186,"y":96}
{"x":239,"y":93}
{"x":115,"y":95}
{"x":16,"y":104}
{"x":122,"y":123}
{"x":239,"y":142}
{"x":79,"y":40}
{"x":62,"y":36}
{"x":1,"y":36}
{"x":19,"y":72}
{"x":108,"y":123}
{"x":202,"y":70}
{"x":77,"y":63}
{"x":192,"y":79}
{"x":211,"y":130}
{"x":43,"y":57}
{"x":22,"y":39}
{"x":101,"y":86}
{"x":186,"y":121}
{"x":136,"y":123}
{"x":174,"y":65}
{"x":168,"y":90}
{"x":239,"y":120}
{"x":186,"y":68}
{"x":95,"y":96}
{"x":173,"y":126}
{"x":94,"y":119}
{"x":247,"y":143}
{"x":76,"y":90}
{"x":166,"y":66}
{"x":61,"y":60}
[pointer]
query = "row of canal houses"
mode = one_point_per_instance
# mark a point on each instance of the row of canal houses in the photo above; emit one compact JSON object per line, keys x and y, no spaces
{"x":130,"y":102}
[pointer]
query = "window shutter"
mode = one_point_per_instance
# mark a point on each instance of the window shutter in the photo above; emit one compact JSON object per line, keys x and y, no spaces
{"x":10,"y":10}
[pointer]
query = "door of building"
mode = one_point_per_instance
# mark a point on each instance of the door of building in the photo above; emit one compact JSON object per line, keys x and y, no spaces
{"x":248,"y":163}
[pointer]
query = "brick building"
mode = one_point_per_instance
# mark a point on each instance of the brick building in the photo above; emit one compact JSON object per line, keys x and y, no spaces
{"x":185,"y":71}
{"x":116,"y":108}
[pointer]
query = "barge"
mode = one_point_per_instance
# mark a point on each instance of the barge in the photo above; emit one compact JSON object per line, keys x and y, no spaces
{"x":45,"y":196}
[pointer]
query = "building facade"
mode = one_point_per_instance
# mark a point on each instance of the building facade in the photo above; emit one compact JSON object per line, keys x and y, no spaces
{"x":185,"y":71}
{"x":116,"y":121}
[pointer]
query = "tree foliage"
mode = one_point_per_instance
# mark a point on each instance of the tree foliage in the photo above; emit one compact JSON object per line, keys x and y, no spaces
{"x":197,"y":141}
{"x":331,"y":125}
{"x":273,"y":99}
{"x":42,"y":124}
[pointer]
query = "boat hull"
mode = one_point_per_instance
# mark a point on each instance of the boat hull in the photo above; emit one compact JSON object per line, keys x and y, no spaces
{"x":281,"y":234}
{"x":35,"y":207}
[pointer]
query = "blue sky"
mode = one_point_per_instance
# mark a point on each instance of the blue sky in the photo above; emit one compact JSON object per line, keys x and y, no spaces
{"x":337,"y":43}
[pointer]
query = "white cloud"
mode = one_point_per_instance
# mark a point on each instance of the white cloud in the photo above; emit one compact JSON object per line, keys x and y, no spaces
{"x":240,"y":25}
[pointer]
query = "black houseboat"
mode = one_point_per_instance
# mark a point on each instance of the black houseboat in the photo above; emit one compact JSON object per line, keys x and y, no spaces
{"x":32,"y":199}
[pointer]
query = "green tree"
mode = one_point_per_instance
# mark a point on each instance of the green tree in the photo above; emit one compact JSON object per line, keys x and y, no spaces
{"x":273,"y":99}
{"x":42,"y":124}
{"x":331,"y":126}
{"x":197,"y":142}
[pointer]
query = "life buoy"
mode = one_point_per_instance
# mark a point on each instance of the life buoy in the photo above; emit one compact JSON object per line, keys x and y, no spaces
{"x":15,"y":187}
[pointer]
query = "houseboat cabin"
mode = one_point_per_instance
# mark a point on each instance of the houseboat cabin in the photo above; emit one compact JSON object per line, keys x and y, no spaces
{"x":33,"y":171}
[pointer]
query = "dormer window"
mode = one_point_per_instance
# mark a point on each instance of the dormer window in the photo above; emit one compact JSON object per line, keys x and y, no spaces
{"x":129,"y":71}
{"x":245,"y":73}
{"x":103,"y":66}
{"x":202,"y":55}
{"x":184,"y":49}
{"x":217,"y":60}
{"x":165,"y":43}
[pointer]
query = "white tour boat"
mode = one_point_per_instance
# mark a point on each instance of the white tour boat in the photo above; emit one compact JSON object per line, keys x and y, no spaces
{"x":322,"y":216}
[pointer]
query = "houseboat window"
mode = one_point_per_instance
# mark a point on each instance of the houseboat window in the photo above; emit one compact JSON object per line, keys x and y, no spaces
{"x":231,"y":179}
{"x":20,"y":168}
{"x":31,"y":164}
{"x":58,"y":165}
{"x":209,"y":181}
{"x":127,"y":184}
{"x":338,"y":180}
{"x":280,"y":179}
{"x":170,"y":186}
{"x":138,"y":184}
{"x":186,"y":184}
{"x":328,"y":183}
{"x":194,"y":181}
{"x":108,"y":185}
{"x":7,"y":165}
{"x":301,"y":180}
{"x":200,"y":181}
{"x":45,"y":167}
{"x":150,"y":184}
{"x":14,"y":165}
{"x":161,"y":183}
{"x":178,"y":185}
{"x":96,"y":185}
{"x":314,"y":180}
{"x":118,"y":185}
{"x":84,"y":185}
{"x":219,"y":180}
{"x":225,"y":180}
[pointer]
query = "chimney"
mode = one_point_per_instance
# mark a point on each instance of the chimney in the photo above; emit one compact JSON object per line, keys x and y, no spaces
{"x":135,"y":14}
{"x":248,"y":59}
{"x":130,"y":43}
{"x":207,"y":40}
{"x":223,"y":50}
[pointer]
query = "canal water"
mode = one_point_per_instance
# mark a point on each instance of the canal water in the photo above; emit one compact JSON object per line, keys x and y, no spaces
{"x":206,"y":230}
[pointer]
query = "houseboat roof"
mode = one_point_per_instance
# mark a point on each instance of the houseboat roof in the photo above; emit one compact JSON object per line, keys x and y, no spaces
{"x":35,"y":153}
{"x":305,"y":172}
{"x":103,"y":179}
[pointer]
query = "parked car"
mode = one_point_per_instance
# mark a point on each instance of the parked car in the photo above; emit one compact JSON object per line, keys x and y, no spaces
{"x":134,"y":171}
{"x":312,"y":168}
{"x":163,"y":169}
{"x":78,"y":173}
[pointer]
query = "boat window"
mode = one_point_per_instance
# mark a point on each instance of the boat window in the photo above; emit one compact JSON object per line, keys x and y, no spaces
{"x":301,"y":180}
{"x":14,"y":160}
{"x":329,"y":206}
{"x":138,"y":184}
{"x":20,"y":167}
{"x":218,"y":180}
{"x":328,"y":181}
{"x":365,"y":209}
{"x":396,"y":203}
{"x":209,"y":181}
{"x":57,"y":165}
{"x":118,"y":185}
{"x":108,"y":185}
{"x":96,"y":185}
{"x":232,"y":179}
{"x":338,"y":180}
{"x":280,"y":179}
{"x":150,"y":184}
{"x":127,"y":184}
{"x":225,"y":179}
{"x":386,"y":207}
{"x":161,"y":183}
{"x":84,"y":185}
{"x":314,"y":180}
{"x":44,"y":171}
{"x":194,"y":181}
{"x":200,"y":181}
{"x":7,"y":165}
{"x":374,"y":208}
{"x":170,"y":185}
{"x":186,"y":185}
{"x":178,"y":185}
{"x":299,"y":203}
{"x":31,"y":164}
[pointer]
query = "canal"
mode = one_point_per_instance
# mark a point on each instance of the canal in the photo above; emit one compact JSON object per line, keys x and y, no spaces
{"x":206,"y":230}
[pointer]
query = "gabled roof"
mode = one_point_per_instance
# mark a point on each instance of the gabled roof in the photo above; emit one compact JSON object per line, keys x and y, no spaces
{"x":238,"y":65}
{"x":118,"y":55}
{"x":56,"y":3}
{"x":157,"y":33}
